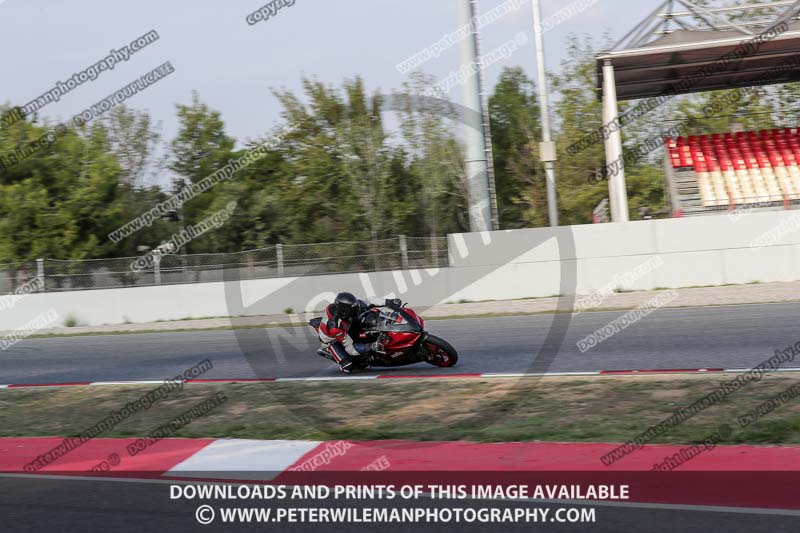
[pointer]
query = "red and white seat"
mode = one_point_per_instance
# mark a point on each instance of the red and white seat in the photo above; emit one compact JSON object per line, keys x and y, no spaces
{"x":741,"y":168}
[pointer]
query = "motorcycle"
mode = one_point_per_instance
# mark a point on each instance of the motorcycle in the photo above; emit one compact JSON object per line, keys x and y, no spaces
{"x":402,"y":334}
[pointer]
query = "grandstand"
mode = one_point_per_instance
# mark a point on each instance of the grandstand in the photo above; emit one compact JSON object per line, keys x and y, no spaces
{"x":757,"y":169}
{"x":682,"y":48}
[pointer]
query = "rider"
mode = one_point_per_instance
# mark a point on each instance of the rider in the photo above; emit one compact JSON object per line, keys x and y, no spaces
{"x":343,"y":316}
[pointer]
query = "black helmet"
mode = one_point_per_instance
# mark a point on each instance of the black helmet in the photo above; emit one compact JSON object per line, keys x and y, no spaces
{"x":345,"y":306}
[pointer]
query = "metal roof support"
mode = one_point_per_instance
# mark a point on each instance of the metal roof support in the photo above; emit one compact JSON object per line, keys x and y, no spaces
{"x":622,"y":41}
{"x":702,"y":13}
{"x":788,"y":14}
{"x":744,"y":7}
{"x":699,"y":18}
{"x":645,"y":32}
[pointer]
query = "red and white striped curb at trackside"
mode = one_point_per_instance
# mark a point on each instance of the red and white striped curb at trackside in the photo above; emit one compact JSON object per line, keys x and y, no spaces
{"x":488,"y":375}
{"x":752,"y":477}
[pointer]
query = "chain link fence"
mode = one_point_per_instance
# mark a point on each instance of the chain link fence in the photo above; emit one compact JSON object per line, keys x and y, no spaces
{"x":14,"y":276}
{"x":272,"y":262}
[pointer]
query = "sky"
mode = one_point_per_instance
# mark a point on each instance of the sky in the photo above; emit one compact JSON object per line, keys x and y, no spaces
{"x":233,"y":65}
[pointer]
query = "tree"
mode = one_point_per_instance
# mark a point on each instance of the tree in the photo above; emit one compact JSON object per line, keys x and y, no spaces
{"x":436,"y":158}
{"x":366,"y":159}
{"x":133,"y":141}
{"x":63,"y":201}
{"x":323,"y":203}
{"x":519,"y":180}
{"x":263,"y":209}
{"x":200,"y":148}
{"x":579,"y":113}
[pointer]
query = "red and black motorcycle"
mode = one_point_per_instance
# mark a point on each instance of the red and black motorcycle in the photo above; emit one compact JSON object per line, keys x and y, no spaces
{"x":403,"y":337}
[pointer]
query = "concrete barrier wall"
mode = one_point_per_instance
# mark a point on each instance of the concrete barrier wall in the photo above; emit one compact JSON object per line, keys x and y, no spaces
{"x":711,"y":250}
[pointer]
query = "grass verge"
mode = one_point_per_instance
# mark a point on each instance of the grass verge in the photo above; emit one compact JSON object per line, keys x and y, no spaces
{"x":612,"y":409}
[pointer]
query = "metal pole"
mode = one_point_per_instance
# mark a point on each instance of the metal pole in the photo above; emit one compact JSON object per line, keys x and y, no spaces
{"x":480,"y":204}
{"x":547,"y":148}
{"x":487,"y":128}
{"x":157,"y":266}
{"x":279,"y":256}
{"x":40,"y":273}
{"x":617,"y":189}
{"x":403,"y":252}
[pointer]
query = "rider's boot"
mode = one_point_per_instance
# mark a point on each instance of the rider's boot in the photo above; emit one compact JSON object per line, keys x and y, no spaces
{"x":346,"y":365}
{"x":344,"y":361}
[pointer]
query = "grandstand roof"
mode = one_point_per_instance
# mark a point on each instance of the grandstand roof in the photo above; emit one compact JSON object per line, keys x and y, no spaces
{"x":664,"y":62}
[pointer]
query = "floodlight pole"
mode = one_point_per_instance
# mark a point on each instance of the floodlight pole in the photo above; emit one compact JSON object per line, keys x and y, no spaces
{"x":482,"y":196}
{"x":547,"y":152}
{"x":617,"y":188}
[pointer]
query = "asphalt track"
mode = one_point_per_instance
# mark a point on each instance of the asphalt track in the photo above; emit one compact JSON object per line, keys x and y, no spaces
{"x":89,"y":506}
{"x":708,"y":337}
{"x":722,"y":337}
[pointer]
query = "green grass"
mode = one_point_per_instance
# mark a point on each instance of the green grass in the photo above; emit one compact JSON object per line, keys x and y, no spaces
{"x":612,"y":409}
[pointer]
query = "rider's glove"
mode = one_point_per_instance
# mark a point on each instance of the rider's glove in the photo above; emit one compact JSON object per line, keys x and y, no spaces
{"x":394,"y":302}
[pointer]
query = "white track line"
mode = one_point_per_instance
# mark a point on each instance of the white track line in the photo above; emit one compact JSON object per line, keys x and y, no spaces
{"x":540,"y":374}
{"x":126,"y":383}
{"x":329,"y":378}
{"x":491,"y":375}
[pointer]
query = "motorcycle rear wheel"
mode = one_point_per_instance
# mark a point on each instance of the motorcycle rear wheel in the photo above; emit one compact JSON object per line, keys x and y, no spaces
{"x":438,"y":352}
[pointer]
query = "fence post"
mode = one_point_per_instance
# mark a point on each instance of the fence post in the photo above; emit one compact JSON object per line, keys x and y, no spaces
{"x":157,"y":266}
{"x":40,"y":272}
{"x":279,"y":255}
{"x":403,"y":252}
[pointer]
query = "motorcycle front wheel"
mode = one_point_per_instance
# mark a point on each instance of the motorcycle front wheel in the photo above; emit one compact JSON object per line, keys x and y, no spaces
{"x":438,"y":352}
